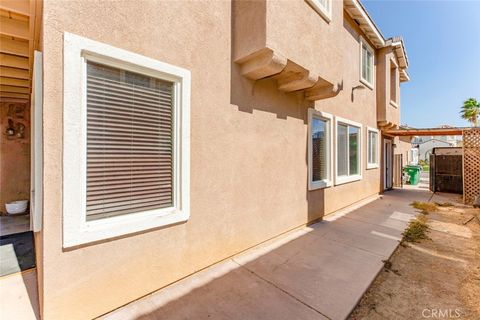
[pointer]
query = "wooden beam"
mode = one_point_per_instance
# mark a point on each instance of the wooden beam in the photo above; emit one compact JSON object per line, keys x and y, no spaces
{"x":14,"y":95}
{"x":5,"y":88}
{"x":16,"y":47}
{"x":8,"y":60}
{"x":427,"y":132}
{"x":37,"y":18}
{"x":14,"y":82}
{"x":14,"y":100}
{"x":17,"y":6}
{"x":15,"y":28}
{"x":14,"y":73}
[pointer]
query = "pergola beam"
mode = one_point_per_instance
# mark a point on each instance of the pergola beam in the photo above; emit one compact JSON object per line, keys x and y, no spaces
{"x":16,"y":47}
{"x":5,"y":88}
{"x":17,"y":6}
{"x":15,"y":28}
{"x":14,"y":82}
{"x":13,"y":61}
{"x":14,"y":95}
{"x":14,"y":73}
{"x":427,"y":132}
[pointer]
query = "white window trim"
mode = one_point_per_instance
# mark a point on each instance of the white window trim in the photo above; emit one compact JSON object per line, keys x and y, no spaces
{"x":369,"y":47}
{"x":326,"y":14}
{"x":356,"y":177}
{"x":394,"y":103}
{"x":373,"y":165}
{"x":313,"y":185}
{"x":76,"y":229}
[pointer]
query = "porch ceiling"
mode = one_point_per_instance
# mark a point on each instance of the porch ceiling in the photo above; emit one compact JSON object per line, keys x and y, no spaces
{"x":20,"y":22}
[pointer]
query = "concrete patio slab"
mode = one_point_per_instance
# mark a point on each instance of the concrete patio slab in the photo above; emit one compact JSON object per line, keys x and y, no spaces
{"x":226,"y":291}
{"x":315,"y":272}
{"x":375,"y":239}
{"x":326,"y":275}
{"x":19,"y":296}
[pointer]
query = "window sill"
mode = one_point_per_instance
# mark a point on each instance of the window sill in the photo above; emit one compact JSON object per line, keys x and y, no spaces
{"x":393,"y":104}
{"x":327,"y":16}
{"x":107,"y":228}
{"x":347,"y":179}
{"x":372,"y":166}
{"x":314,"y":185}
{"x":366,"y":83}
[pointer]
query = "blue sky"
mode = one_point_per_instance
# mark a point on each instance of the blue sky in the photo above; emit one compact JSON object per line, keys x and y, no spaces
{"x":443,"y":45}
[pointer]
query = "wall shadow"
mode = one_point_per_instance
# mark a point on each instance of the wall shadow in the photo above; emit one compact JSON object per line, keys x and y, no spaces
{"x":301,"y":275}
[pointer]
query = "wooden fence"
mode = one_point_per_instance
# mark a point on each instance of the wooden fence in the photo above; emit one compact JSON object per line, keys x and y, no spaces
{"x":471,"y":165}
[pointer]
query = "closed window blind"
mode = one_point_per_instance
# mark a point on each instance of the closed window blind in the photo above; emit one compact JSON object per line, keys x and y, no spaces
{"x":319,"y":149}
{"x":342,"y":149}
{"x":129,"y":142}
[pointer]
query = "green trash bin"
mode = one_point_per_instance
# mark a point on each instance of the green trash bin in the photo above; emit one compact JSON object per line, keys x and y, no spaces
{"x":413,"y":173}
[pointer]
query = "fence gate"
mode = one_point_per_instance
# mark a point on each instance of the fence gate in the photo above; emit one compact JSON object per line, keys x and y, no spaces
{"x":397,"y":170}
{"x":471,"y":165}
{"x":446,"y":170}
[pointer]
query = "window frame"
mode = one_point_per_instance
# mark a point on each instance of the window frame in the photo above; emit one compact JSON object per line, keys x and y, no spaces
{"x":326,"y":14}
{"x":396,"y":77}
{"x":349,"y":178}
{"x":76,"y":229}
{"x":373,"y":165}
{"x":370,"y":85}
{"x":320,"y":184}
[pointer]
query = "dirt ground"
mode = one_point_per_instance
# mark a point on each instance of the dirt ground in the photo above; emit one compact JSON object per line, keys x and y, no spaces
{"x":435,"y":278}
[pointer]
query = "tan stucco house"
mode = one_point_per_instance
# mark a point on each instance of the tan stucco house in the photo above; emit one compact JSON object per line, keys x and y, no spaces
{"x":169,"y":135}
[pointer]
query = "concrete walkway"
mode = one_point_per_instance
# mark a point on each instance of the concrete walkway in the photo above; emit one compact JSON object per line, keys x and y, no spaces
{"x":315,"y":272}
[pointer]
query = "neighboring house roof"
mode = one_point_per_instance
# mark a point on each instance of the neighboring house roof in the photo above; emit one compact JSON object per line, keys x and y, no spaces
{"x":437,"y":140}
{"x":358,"y":13}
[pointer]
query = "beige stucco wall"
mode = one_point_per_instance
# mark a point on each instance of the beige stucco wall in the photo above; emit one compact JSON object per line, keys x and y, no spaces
{"x":248,"y":145}
{"x":403,"y":146}
{"x":386,"y":111}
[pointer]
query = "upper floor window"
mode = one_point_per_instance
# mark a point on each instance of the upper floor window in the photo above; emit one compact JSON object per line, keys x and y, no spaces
{"x":367,"y":63}
{"x":126,"y":142}
{"x":319,"y":149}
{"x":349,"y":158}
{"x":394,"y":83}
{"x":323,"y":7}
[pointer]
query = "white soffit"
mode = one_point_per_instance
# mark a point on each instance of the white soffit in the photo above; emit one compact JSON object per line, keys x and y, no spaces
{"x":358,"y":13}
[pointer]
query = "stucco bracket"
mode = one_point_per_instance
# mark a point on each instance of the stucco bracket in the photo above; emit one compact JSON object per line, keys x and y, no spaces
{"x":323,"y":90}
{"x":386,"y":125}
{"x":261,"y":64}
{"x":295,"y":77}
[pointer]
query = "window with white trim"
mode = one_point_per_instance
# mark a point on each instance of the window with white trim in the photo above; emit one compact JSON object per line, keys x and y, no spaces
{"x":126,"y":142}
{"x":348,"y":153}
{"x":323,"y":7}
{"x":372,"y":148}
{"x":367,"y":63}
{"x":319,"y":149}
{"x":394,"y":79}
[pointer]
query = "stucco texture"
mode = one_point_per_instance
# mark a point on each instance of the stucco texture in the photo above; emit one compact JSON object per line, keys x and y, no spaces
{"x":248,"y":144}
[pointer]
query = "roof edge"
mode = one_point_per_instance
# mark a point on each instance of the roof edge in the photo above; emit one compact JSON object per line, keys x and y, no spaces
{"x":358,"y":13}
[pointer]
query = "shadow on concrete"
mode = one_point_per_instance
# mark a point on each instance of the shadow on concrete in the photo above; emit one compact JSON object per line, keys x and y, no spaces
{"x":316,"y":272}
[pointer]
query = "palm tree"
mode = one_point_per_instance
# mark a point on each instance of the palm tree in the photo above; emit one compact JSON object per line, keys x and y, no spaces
{"x":470,"y":111}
